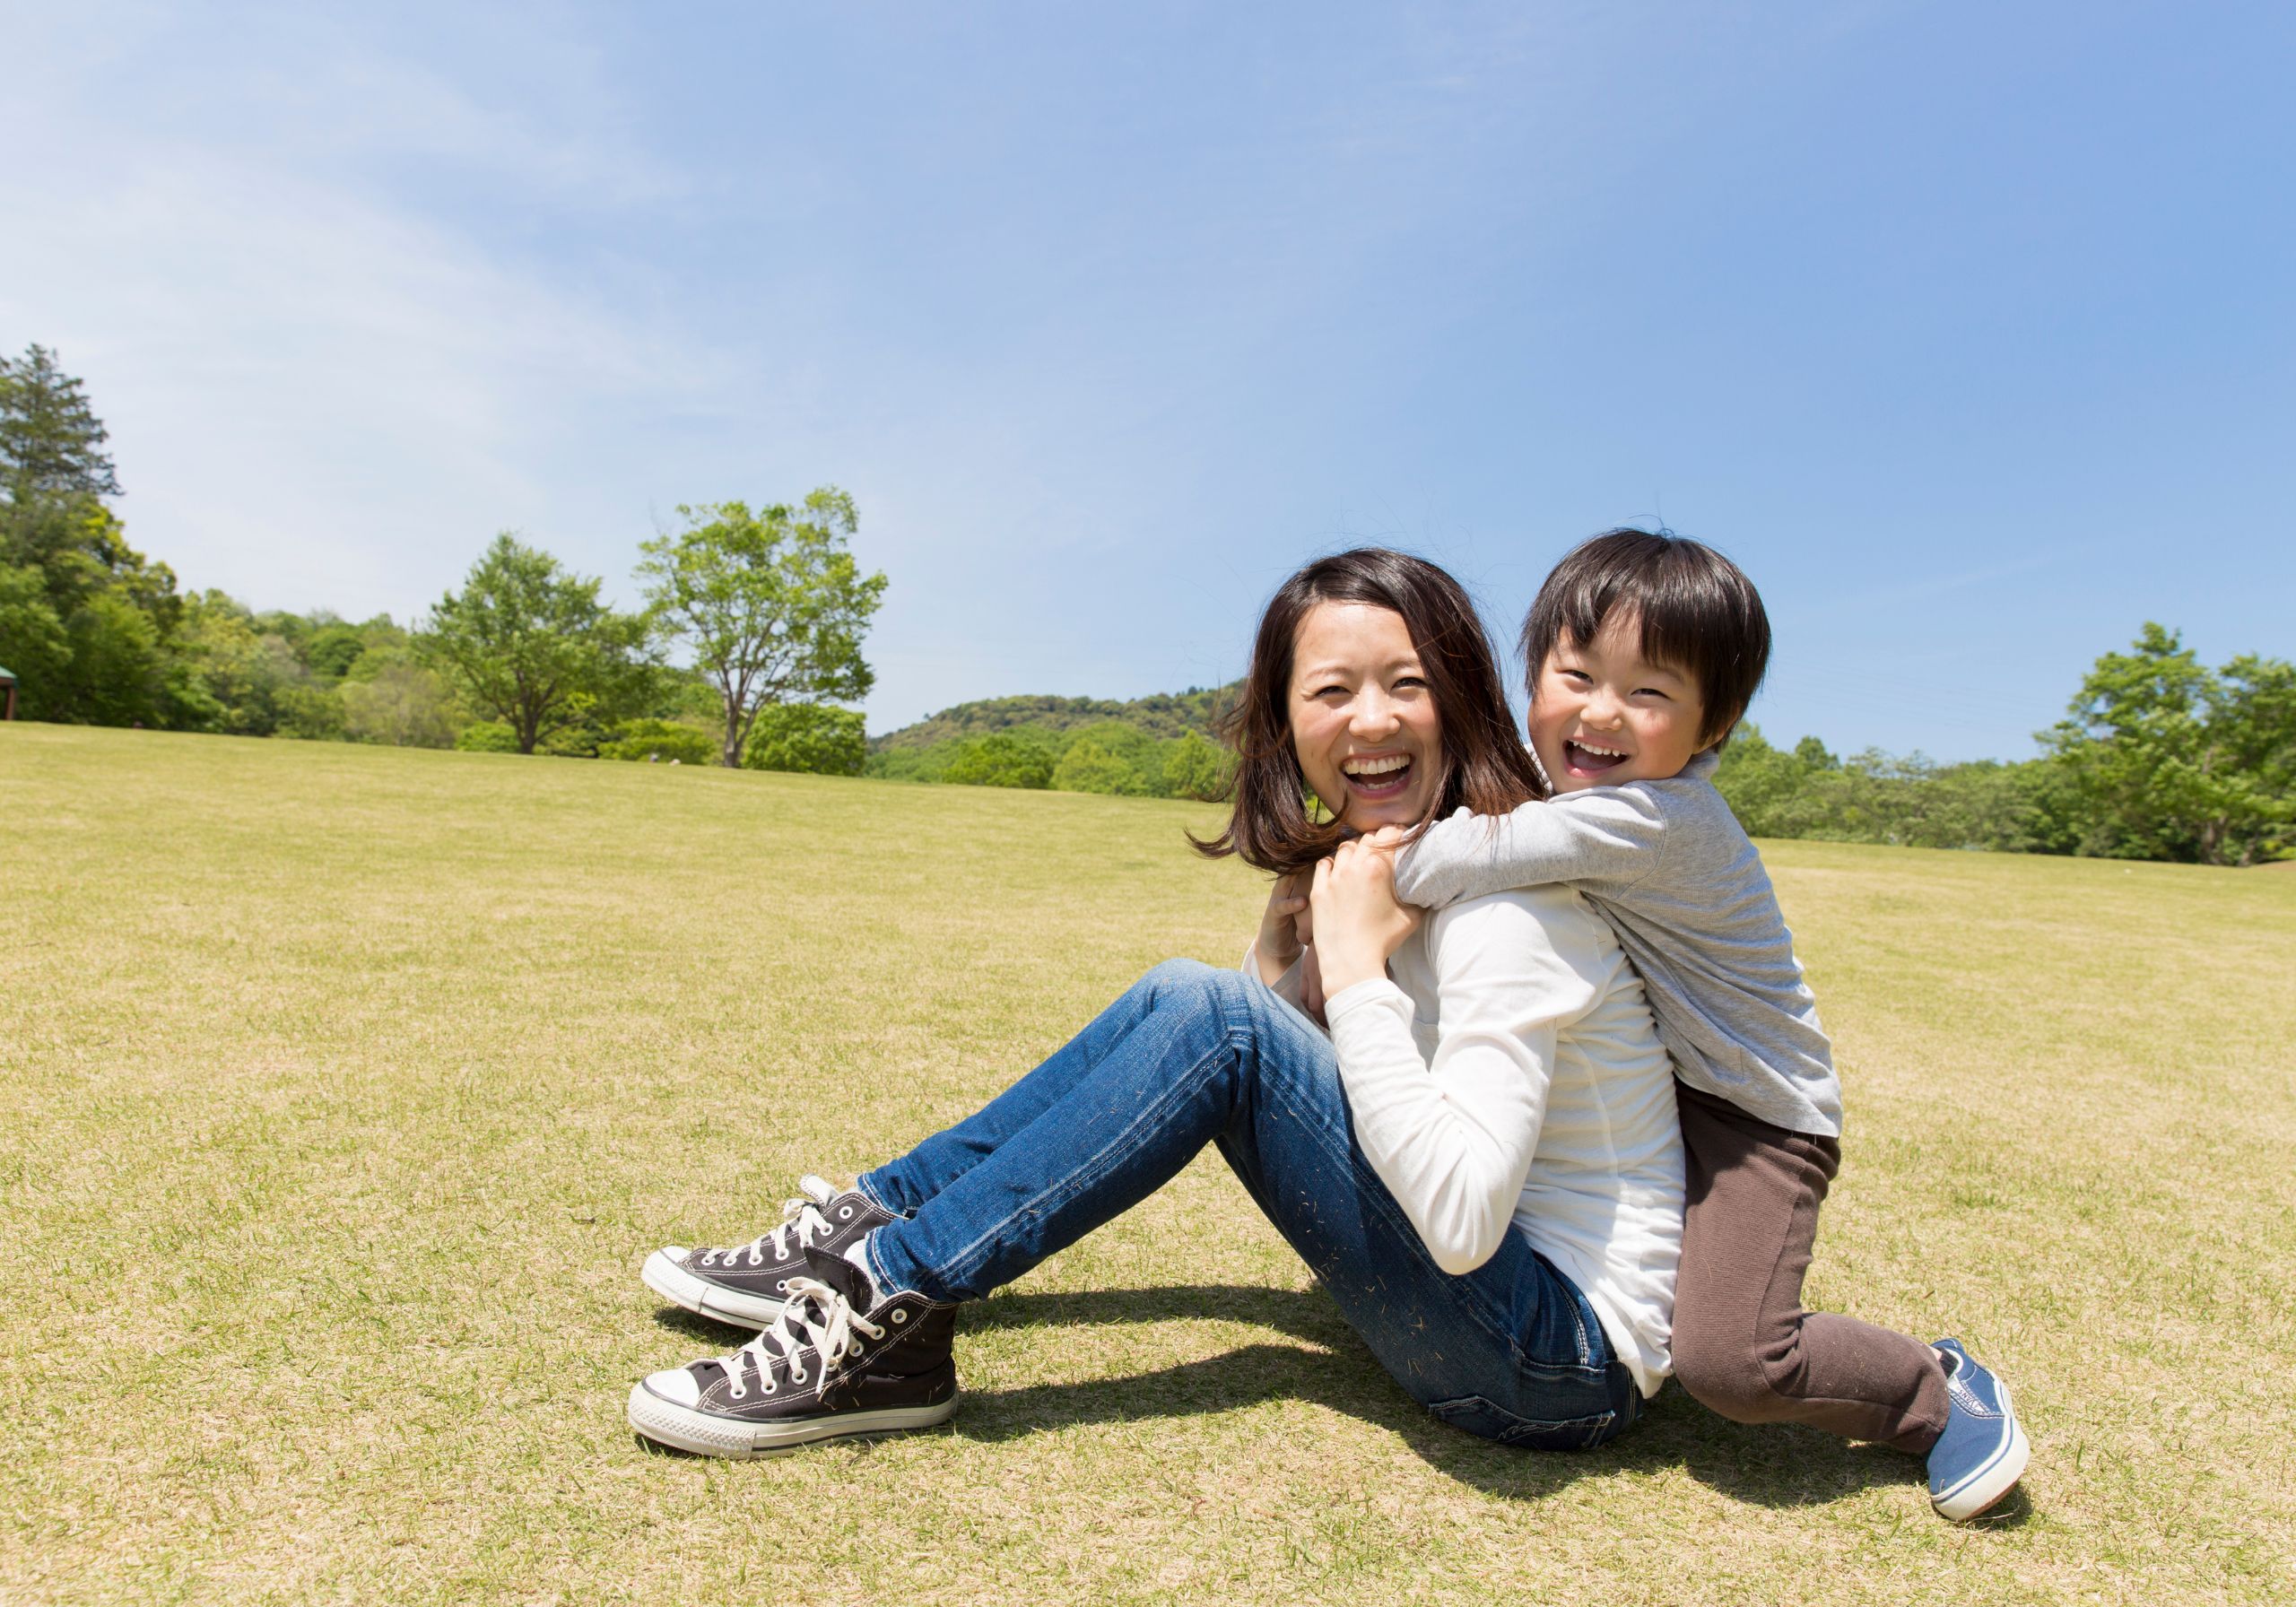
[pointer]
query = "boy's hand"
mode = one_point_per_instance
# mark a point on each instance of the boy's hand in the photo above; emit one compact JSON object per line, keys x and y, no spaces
{"x":1358,"y":924}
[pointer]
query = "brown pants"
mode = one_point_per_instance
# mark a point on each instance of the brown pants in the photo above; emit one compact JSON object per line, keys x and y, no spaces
{"x":1743,"y":1344}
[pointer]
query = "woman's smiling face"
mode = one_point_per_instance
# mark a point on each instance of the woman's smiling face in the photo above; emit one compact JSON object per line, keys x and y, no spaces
{"x":1363,"y":718}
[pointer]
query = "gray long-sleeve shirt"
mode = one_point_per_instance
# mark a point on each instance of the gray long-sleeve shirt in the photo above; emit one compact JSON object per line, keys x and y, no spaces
{"x":1668,"y":866}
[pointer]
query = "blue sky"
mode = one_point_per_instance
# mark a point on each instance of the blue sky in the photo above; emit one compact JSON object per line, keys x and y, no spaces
{"x":1967,"y":329}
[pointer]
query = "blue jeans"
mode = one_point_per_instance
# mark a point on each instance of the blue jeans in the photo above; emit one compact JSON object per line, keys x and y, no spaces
{"x":1189,"y":1056}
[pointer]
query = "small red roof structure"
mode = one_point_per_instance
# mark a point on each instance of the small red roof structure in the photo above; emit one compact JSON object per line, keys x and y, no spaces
{"x":7,"y":696}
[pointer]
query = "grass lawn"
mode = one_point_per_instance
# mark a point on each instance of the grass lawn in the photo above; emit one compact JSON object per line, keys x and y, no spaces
{"x":342,"y":1091}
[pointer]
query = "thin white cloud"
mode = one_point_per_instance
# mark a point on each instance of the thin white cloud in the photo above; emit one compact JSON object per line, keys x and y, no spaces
{"x":317,"y":392}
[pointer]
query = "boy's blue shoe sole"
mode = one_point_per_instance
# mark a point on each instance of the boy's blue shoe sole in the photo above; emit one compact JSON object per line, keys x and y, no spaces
{"x":1983,"y":1452}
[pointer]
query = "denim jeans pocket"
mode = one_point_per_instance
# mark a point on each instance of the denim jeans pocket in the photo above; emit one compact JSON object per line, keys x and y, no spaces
{"x":1486,"y":1420}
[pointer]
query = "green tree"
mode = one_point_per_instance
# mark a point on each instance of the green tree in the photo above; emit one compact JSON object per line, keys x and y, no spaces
{"x":1768,"y":788}
{"x":399,"y":703}
{"x":245,"y":672}
{"x":33,"y":642}
{"x":1196,"y":769}
{"x":331,"y":650}
{"x":486,"y":736}
{"x":1001,"y":759}
{"x":1138,"y":767}
{"x":814,"y":739}
{"x":659,"y":741}
{"x":770,"y":602}
{"x":51,"y":442}
{"x":117,"y":672}
{"x":2164,"y":759}
{"x":530,"y":644}
{"x":54,"y":473}
{"x":1089,"y":767}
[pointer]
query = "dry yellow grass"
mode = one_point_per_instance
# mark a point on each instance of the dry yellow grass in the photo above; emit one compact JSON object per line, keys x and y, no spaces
{"x":342,"y":1090}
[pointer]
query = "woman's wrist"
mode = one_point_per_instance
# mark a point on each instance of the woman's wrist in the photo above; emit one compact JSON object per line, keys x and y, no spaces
{"x":1344,"y":966}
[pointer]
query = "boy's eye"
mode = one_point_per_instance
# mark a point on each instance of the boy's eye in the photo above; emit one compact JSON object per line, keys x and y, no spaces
{"x":1651,"y":691}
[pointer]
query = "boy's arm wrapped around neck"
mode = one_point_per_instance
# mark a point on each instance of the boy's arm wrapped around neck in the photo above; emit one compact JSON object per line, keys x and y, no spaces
{"x":1599,"y":841}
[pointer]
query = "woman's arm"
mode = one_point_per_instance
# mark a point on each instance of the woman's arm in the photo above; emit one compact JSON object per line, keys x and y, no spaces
{"x":1453,"y":1137}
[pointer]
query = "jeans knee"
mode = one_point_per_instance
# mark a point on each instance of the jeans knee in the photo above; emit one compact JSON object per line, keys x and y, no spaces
{"x":1194,"y":981}
{"x":1179,"y":974}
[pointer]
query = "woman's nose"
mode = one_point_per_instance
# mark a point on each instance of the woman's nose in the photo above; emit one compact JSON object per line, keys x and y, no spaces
{"x":1374,"y":717}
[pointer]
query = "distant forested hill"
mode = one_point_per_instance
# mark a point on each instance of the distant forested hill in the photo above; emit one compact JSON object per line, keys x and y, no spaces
{"x":1157,"y":747}
{"x":1161,"y":715}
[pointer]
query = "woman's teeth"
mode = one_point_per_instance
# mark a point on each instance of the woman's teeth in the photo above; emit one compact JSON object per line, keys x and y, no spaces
{"x":1375,"y":777}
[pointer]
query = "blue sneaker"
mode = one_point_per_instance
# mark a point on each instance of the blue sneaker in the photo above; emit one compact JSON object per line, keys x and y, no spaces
{"x":1982,"y":1453}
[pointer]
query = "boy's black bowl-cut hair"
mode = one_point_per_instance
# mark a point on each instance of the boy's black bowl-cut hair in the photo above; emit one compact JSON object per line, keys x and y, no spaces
{"x":1698,"y":612}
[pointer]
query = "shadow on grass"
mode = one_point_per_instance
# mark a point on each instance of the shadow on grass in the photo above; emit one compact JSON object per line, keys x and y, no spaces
{"x":1768,"y":1466}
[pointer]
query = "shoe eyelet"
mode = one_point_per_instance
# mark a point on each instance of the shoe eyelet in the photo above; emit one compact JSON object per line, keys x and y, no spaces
{"x":780,"y":1283}
{"x":900,"y":1316}
{"x":845,"y":1211}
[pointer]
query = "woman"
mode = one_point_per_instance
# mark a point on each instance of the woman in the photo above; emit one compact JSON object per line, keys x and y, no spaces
{"x":1480,"y":1158}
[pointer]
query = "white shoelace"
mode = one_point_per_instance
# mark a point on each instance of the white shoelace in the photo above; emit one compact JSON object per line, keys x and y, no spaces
{"x":816,"y":1317}
{"x":801,"y":1216}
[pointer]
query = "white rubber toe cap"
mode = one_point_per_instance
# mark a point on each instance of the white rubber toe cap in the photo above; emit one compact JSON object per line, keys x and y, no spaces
{"x":678,"y":1386}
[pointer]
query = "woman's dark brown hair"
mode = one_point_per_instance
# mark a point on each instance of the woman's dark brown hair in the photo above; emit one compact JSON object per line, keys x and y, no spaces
{"x":1485,"y":764}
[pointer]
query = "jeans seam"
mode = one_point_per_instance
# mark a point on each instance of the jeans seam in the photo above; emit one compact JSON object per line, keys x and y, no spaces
{"x":861,"y":1186}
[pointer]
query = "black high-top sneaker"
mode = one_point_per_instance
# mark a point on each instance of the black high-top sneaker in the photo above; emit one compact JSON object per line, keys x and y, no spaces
{"x":746,"y":1284}
{"x":823,"y":1369}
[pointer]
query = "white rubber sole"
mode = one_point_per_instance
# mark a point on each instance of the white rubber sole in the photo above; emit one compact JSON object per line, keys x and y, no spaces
{"x":671,"y":1281}
{"x":1978,"y":1493}
{"x":664,"y":1422}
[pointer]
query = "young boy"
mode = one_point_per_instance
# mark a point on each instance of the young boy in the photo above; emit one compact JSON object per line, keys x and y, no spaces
{"x":1643,"y":652}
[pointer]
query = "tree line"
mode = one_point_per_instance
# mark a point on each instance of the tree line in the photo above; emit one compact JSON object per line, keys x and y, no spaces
{"x":2159,"y":756}
{"x":767,"y":601}
{"x":1111,"y":756}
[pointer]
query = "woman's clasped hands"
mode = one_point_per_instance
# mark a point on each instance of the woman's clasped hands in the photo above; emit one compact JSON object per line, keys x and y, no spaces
{"x":1340,"y":922}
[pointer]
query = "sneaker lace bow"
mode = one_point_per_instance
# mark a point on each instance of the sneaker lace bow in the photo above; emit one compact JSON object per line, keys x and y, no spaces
{"x":816,"y":1318}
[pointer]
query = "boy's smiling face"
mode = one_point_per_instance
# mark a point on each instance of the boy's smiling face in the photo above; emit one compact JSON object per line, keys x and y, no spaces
{"x":1602,"y":714}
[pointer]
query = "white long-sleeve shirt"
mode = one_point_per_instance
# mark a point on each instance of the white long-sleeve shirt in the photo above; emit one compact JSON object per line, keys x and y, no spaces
{"x":1509,"y":1078}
